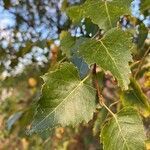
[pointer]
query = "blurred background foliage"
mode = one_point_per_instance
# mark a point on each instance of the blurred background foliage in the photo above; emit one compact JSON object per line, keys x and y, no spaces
{"x":30,"y":46}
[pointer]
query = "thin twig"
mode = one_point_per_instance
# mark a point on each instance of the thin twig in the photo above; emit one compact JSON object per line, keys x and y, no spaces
{"x":96,"y":84}
{"x":101,"y":101}
{"x":59,"y":62}
{"x":100,"y":97}
{"x":116,"y":102}
{"x":134,"y":64}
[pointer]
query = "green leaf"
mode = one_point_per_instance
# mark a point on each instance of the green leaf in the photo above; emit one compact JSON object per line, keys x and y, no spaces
{"x":69,"y":47}
{"x":90,"y":27}
{"x":103,"y":13}
{"x":124,"y":132}
{"x":135,"y":97}
{"x":66,"y":100}
{"x":101,"y":117}
{"x":112,"y":53}
{"x":67,"y":42}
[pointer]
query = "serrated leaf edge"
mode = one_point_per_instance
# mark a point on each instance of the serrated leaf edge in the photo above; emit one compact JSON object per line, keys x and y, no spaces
{"x":82,"y":81}
{"x":115,"y":117}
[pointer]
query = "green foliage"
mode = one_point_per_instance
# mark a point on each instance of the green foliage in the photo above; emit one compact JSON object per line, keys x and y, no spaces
{"x":101,"y":117}
{"x":69,"y":97}
{"x":103,"y":13}
{"x":124,"y":132}
{"x":135,"y":97}
{"x":69,"y":47}
{"x":112,"y":53}
{"x":91,"y":80}
{"x":64,"y":94}
{"x":67,"y":42}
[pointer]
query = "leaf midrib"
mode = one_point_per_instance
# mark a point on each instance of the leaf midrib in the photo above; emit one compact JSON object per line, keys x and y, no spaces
{"x":61,"y":102}
{"x":115,"y":64}
{"x":120,"y":130}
